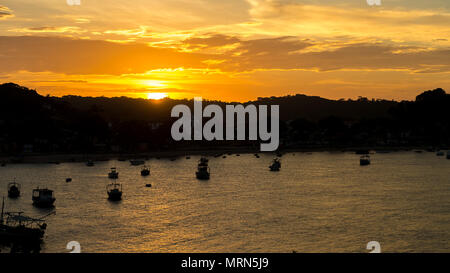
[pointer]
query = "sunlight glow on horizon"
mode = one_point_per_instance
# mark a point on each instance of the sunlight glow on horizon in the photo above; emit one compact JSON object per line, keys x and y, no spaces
{"x":157,"y":96}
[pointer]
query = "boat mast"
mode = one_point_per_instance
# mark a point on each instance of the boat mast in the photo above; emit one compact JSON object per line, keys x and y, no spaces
{"x":3,"y":206}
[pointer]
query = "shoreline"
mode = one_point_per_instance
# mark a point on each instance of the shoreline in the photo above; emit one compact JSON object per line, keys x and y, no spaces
{"x":57,"y":158}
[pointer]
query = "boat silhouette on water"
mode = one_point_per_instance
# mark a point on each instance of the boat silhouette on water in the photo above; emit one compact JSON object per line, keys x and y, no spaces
{"x":145,"y":171}
{"x":137,"y":162}
{"x":114,"y":191}
{"x":14,"y":190}
{"x":364,"y":160}
{"x":43,"y":198}
{"x":113,"y":174}
{"x":203,"y":171}
{"x":90,"y":163}
{"x":20,"y":230}
{"x":276,"y":165}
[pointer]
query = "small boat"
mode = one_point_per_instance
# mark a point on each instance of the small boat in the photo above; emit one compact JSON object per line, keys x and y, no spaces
{"x":20,"y":229}
{"x":440,"y":153}
{"x":137,"y":162}
{"x":148,"y":185}
{"x":448,"y":155}
{"x":90,"y":163}
{"x":43,"y":198}
{"x":145,"y":171}
{"x":14,"y":190}
{"x":113,"y":174}
{"x":276,"y":165}
{"x":224,"y":156}
{"x":114,"y":191}
{"x":68,"y":180}
{"x":203,"y":171}
{"x":364,"y":160}
{"x":188,"y":157}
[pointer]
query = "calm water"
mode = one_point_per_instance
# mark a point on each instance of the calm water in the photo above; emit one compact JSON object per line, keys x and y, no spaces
{"x":319,"y":202}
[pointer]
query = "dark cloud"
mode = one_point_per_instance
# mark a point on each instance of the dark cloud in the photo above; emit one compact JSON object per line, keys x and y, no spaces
{"x":213,"y":41}
{"x":5,"y":12}
{"x":72,"y":56}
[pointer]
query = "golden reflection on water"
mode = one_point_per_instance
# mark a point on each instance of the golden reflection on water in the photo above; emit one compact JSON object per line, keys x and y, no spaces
{"x":319,"y":202}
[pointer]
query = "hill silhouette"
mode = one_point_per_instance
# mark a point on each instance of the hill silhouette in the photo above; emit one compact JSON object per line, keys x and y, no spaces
{"x":31,"y":123}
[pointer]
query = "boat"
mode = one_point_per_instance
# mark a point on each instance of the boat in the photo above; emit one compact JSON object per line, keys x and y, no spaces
{"x":43,"y":198}
{"x":137,"y":162}
{"x":20,"y":229}
{"x":90,"y":163}
{"x":114,"y":191}
{"x":203,"y":171}
{"x":440,"y":153}
{"x":68,"y":180}
{"x":448,"y":155}
{"x":275,"y":166}
{"x":364,"y":160}
{"x":113,"y":174}
{"x":14,"y":190}
{"x":145,"y":171}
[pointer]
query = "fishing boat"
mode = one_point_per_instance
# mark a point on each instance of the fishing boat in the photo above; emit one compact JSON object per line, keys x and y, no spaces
{"x":145,"y":171}
{"x":364,"y":160}
{"x":113,"y":174}
{"x":90,"y":163}
{"x":43,"y":198}
{"x":275,"y":166}
{"x":203,"y":171}
{"x":137,"y":162}
{"x":17,"y":228}
{"x":114,"y":191}
{"x":14,"y":190}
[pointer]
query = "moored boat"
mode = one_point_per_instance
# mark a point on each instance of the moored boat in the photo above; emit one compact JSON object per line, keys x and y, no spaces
{"x":14,"y":190}
{"x":364,"y":160}
{"x":43,"y":198}
{"x":137,"y":162}
{"x":275,"y":166}
{"x":113,"y":174}
{"x":203,"y":171}
{"x":145,"y":171}
{"x":20,"y":229}
{"x":114,"y":191}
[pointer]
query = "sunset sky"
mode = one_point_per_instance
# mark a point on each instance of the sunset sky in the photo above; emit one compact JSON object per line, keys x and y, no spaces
{"x":226,"y":49}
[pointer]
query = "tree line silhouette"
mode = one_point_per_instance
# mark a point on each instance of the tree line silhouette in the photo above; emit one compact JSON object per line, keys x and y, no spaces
{"x":32,"y":123}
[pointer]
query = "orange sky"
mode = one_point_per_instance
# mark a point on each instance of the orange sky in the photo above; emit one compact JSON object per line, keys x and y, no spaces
{"x":230,"y":50}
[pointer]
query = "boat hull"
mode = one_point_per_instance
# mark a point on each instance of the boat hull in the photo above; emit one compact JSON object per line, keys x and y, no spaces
{"x":13,"y":193}
{"x":364,"y":162}
{"x":43,"y":203}
{"x":115,"y":196}
{"x":202,"y":175}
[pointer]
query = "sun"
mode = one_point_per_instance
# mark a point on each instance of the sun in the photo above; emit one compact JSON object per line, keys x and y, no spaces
{"x":156,"y":95}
